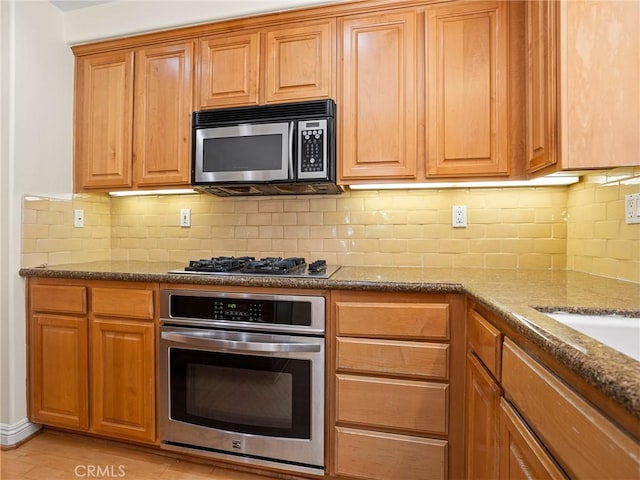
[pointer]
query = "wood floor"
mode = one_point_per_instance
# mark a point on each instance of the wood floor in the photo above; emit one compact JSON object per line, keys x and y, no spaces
{"x":60,"y":456}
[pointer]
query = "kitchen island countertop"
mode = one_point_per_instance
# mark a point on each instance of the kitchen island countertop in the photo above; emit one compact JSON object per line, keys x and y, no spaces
{"x":511,"y":294}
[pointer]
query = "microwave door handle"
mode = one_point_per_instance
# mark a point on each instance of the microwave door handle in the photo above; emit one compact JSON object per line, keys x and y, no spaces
{"x":292,"y":173}
{"x":239,"y":346}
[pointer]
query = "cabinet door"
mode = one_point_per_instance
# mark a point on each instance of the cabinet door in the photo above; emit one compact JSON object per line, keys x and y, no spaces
{"x":104,"y":121}
{"x":541,"y":84}
{"x":483,"y":398}
{"x":467,"y":89}
{"x":163,"y":106}
{"x":593,"y":447}
{"x":229,"y":70}
{"x":58,"y":367}
{"x":299,"y":63}
{"x":599,"y":76}
{"x":123,"y":381}
{"x":521,"y":455}
{"x":378,"y":125}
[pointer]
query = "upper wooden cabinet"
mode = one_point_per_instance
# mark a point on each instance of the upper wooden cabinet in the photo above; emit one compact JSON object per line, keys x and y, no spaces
{"x":273,"y":65}
{"x":467,"y":85}
{"x":541,"y":85}
{"x":429,"y":93}
{"x":162,"y":113}
{"x":378,"y":96}
{"x":133,"y":118}
{"x":299,"y":62}
{"x":229,"y":70}
{"x":104,"y":121}
{"x":583,"y":100}
{"x":599,"y":78}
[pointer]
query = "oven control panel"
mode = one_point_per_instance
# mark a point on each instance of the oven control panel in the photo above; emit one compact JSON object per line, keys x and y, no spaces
{"x":243,"y":311}
{"x":268,"y":311}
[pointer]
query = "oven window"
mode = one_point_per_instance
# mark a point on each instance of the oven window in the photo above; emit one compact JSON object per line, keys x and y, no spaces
{"x":241,"y":393}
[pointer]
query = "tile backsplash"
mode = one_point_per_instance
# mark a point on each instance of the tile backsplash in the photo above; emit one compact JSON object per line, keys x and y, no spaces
{"x":48,"y":234}
{"x":579,"y":227}
{"x":598,"y":239}
{"x":507,"y":228}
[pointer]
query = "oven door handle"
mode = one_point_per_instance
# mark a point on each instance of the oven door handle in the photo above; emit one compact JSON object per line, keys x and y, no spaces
{"x":240,"y":346}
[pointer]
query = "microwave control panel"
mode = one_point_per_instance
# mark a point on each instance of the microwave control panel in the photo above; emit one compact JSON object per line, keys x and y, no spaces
{"x":312,"y":149}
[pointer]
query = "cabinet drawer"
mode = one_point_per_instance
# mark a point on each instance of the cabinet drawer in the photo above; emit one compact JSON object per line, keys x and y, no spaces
{"x":374,"y":455}
{"x":593,"y":447}
{"x":402,"y":404}
{"x":386,"y":356}
{"x":58,"y":298}
{"x":486,"y":341}
{"x":122,"y":302}
{"x":397,"y":320}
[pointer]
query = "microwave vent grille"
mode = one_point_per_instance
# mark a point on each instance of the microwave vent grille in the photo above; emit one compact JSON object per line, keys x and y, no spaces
{"x":283,"y":111}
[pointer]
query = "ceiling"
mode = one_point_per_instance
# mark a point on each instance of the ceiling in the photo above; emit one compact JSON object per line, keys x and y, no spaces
{"x":67,"y":5}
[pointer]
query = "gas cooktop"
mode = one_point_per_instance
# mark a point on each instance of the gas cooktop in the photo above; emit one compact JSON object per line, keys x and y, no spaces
{"x":282,"y":267}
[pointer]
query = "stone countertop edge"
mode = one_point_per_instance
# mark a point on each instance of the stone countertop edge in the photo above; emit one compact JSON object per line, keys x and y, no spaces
{"x":611,"y":372}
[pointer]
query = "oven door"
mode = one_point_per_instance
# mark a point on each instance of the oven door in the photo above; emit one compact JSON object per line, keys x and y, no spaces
{"x":243,"y":153}
{"x":256,"y":397}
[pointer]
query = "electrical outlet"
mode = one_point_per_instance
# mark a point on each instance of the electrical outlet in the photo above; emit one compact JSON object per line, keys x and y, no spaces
{"x":459,"y":216}
{"x":78,"y":218}
{"x":632,"y":208}
{"x":185,"y":217}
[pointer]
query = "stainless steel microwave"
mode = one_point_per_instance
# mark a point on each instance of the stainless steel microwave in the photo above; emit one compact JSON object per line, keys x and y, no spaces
{"x":266,"y":150}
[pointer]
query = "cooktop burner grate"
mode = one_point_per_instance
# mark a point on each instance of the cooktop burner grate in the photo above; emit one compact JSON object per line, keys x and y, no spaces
{"x":291,"y":266}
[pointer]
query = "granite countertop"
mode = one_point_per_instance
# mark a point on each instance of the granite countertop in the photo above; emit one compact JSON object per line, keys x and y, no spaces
{"x":509,"y":293}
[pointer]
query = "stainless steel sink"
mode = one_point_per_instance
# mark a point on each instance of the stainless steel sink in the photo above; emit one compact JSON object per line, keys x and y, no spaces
{"x":618,"y":332}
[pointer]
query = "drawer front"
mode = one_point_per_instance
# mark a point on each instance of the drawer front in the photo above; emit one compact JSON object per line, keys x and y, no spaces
{"x":486,"y":341}
{"x":395,"y":320}
{"x":593,"y":447}
{"x":58,"y":298}
{"x":400,"y":404}
{"x":373,"y":455}
{"x":429,"y":360}
{"x":122,"y":302}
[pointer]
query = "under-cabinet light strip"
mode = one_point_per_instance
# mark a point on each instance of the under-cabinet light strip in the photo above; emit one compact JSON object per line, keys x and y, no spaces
{"x":131,"y":193}
{"x":538,"y":182}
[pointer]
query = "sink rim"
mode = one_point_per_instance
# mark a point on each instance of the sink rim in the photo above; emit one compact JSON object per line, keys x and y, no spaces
{"x":609,"y":329}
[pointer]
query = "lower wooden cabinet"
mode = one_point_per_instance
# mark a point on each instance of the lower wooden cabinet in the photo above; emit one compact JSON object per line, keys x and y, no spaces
{"x":91,"y":368}
{"x":123,"y":386}
{"x":583,"y":442}
{"x":396,"y":385}
{"x":59,"y":370}
{"x":411,"y":405}
{"x":482,"y":401}
{"x":521,"y":455}
{"x":369,"y":454}
{"x":523,"y":421}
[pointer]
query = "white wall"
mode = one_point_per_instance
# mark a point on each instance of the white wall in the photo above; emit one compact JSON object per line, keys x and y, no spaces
{"x":36,"y":147}
{"x":126,"y":17}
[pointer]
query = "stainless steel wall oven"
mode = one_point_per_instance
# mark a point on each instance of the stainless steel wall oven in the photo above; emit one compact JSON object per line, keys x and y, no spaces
{"x":242,"y":377}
